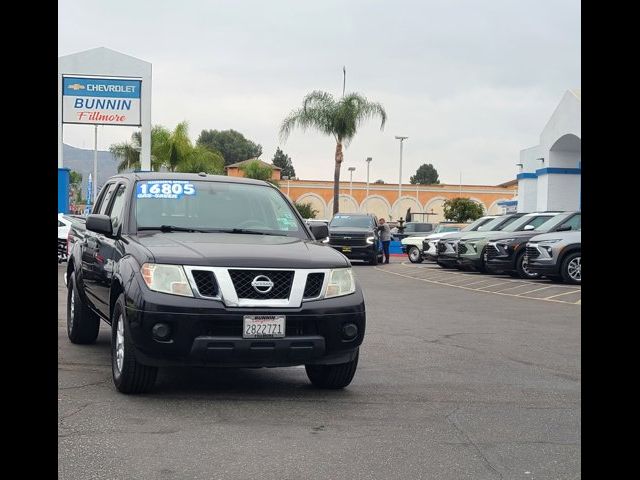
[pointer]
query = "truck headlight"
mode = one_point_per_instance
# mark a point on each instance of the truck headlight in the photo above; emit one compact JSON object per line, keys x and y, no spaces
{"x":166,"y":279}
{"x":370,"y":240}
{"x":341,"y":282}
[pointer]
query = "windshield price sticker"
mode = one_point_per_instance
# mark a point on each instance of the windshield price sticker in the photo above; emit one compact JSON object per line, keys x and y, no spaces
{"x":173,"y":189}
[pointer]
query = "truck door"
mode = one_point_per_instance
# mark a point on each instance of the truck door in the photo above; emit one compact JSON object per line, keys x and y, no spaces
{"x":109,"y":250}
{"x":90,"y":249}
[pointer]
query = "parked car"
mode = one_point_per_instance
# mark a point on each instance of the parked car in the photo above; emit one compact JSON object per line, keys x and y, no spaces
{"x":470,"y":248}
{"x":205,"y":270}
{"x":444,"y":250}
{"x":414,"y":228}
{"x":505,"y":253}
{"x":65,"y":223}
{"x":556,"y":255}
{"x":355,"y":235}
{"x":413,"y":246}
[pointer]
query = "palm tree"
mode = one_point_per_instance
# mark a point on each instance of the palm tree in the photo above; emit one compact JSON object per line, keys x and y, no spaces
{"x":170,"y":149}
{"x":340,"y":118}
{"x":129,"y":152}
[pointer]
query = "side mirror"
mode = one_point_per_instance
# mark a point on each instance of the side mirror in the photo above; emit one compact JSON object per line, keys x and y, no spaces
{"x":563,"y":228}
{"x":319,"y":231}
{"x":529,"y":227}
{"x":100,"y":224}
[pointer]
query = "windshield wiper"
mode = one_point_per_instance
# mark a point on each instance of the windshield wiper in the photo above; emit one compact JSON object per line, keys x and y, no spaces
{"x":250,"y":232}
{"x":174,"y":228}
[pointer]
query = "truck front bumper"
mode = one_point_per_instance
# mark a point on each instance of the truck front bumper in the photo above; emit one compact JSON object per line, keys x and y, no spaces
{"x":213,"y":336}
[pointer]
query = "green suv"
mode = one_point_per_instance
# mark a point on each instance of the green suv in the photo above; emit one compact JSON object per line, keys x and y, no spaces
{"x":472,"y":246}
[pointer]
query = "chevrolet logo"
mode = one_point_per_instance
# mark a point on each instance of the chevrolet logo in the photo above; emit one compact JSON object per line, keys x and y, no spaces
{"x":76,"y":86}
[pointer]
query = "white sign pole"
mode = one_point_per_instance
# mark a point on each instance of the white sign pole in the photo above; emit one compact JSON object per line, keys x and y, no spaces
{"x":145,"y":118}
{"x":95,"y":163}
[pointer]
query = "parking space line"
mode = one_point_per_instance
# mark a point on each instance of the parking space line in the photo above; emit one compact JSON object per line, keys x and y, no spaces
{"x":520,"y":285}
{"x":565,"y":293}
{"x":490,"y":286}
{"x":536,"y":290}
{"x":477,"y":289}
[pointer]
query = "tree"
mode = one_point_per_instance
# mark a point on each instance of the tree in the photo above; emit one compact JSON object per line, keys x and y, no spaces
{"x":129,"y":152}
{"x":75,"y":185}
{"x":338,"y":118}
{"x":282,"y":160}
{"x":172,"y":150}
{"x":258,"y":171}
{"x":306,"y":210}
{"x":425,"y":175}
{"x":379,"y":182}
{"x":462,"y":210}
{"x":232,"y":145}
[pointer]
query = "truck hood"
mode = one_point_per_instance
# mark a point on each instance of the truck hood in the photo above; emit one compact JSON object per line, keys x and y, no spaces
{"x":418,"y":239}
{"x":238,"y":250}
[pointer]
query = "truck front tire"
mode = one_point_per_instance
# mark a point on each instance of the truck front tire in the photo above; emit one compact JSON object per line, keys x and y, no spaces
{"x":332,"y":376}
{"x":129,"y":376}
{"x":83,"y":324}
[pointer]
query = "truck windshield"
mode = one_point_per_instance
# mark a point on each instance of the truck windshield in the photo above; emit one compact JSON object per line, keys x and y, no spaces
{"x":214,"y":206}
{"x":342,"y":220}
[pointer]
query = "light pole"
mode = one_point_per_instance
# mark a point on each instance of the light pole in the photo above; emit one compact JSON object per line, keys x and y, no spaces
{"x":368,"y":160}
{"x":351,"y":170}
{"x":285,"y":177}
{"x":402,"y":139}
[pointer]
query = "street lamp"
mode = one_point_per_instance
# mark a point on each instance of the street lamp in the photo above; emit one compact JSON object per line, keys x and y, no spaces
{"x":402,"y":139}
{"x":285,"y":177}
{"x":368,"y":160}
{"x":351,"y":170}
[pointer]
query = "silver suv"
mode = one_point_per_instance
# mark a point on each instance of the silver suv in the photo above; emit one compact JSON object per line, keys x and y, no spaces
{"x":556,"y":255}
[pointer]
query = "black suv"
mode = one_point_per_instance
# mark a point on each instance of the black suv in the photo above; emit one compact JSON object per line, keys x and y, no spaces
{"x":356,"y":236}
{"x":202,"y":270}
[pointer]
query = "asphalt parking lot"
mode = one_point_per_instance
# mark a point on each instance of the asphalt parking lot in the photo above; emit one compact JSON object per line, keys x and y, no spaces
{"x":456,"y":381}
{"x":542,"y":289}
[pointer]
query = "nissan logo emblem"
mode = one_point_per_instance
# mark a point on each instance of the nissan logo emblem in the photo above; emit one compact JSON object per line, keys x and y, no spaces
{"x":262,"y":284}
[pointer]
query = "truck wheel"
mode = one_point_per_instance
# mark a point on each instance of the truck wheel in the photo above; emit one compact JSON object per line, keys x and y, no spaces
{"x":332,"y":376}
{"x":374,"y":259}
{"x":571,"y":268}
{"x":523,"y":270}
{"x":129,"y":376}
{"x":83,"y":324}
{"x":414,"y":255}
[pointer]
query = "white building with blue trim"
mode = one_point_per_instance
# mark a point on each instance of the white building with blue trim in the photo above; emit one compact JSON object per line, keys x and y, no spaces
{"x":549,"y":177}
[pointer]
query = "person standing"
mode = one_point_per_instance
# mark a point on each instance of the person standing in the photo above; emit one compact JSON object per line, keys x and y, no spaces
{"x":385,"y":238}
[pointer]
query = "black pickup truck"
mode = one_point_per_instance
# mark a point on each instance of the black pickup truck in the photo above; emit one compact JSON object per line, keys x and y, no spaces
{"x":356,"y":236}
{"x":202,"y":270}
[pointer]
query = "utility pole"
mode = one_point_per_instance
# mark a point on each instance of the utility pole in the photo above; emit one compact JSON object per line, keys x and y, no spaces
{"x":402,"y":139}
{"x":368,"y":160}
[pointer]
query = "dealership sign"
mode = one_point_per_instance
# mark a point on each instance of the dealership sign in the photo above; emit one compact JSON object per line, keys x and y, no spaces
{"x":101,"y":101}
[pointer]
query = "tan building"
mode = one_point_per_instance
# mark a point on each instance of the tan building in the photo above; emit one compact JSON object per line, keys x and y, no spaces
{"x":235,"y":169}
{"x":384,"y":200}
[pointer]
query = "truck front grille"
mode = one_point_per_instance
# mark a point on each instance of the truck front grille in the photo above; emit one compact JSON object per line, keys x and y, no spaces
{"x":206,"y":283}
{"x":314,"y":285}
{"x":282,"y":280}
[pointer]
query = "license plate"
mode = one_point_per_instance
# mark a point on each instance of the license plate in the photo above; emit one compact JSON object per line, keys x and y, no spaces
{"x":346,"y":249}
{"x":263,"y":326}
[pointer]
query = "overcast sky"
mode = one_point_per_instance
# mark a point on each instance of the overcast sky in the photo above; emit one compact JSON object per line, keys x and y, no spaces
{"x":471,"y":83}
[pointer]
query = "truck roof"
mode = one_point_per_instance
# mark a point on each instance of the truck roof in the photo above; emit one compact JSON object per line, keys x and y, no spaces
{"x":188,"y":176}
